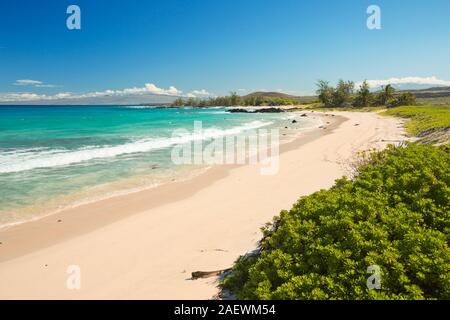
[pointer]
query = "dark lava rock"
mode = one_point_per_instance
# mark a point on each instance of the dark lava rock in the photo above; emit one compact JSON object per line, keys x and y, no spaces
{"x":270,"y":110}
{"x":264,"y":110}
{"x":237,"y":110}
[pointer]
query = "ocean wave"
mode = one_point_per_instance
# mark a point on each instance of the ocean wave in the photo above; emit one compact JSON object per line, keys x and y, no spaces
{"x":215,"y":112}
{"x":139,"y":107}
{"x":23,"y":160}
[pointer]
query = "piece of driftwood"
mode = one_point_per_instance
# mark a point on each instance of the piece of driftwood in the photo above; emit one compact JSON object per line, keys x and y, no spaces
{"x":208,"y":274}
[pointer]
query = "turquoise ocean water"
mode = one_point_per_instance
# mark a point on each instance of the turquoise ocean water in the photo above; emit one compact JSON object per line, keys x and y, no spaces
{"x":55,"y":156}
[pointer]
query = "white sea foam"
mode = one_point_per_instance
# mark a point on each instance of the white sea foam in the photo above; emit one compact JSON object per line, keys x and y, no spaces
{"x":26,"y":159}
{"x":139,"y":107}
{"x":215,"y":112}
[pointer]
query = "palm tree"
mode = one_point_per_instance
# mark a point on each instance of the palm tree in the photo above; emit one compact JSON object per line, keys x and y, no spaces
{"x":386,"y":95}
{"x":364,"y":97}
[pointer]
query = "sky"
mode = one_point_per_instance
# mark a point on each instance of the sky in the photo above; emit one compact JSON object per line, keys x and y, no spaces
{"x":211,"y":47}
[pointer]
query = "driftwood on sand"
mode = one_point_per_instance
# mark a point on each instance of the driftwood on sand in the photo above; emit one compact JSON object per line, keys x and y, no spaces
{"x":208,"y":274}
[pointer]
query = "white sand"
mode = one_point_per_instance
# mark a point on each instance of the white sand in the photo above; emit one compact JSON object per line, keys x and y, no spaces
{"x":145,"y":246}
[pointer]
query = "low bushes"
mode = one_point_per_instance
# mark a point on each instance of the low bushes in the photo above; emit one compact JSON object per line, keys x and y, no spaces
{"x":395,"y":214}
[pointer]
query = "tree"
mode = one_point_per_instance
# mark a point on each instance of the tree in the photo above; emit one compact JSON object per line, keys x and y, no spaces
{"x":385,"y":96}
{"x":364,"y":97}
{"x":178,"y":102}
{"x":342,"y":95}
{"x":190,"y":102}
{"x":406,"y":99}
{"x":325,"y":92}
{"x":234,"y":99}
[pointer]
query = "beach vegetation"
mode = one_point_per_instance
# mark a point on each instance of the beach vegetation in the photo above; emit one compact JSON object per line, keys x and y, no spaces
{"x":233,"y":99}
{"x":343,"y":96}
{"x":325,"y":92}
{"x":394,"y":215}
{"x":386,"y":96}
{"x":364,"y":98}
{"x":339,"y":96}
{"x":430,"y":123}
{"x":405,"y":99}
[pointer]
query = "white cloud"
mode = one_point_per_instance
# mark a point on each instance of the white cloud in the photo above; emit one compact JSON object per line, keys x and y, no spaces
{"x":27,"y":82}
{"x":45,"y":86}
{"x":198,"y":94}
{"x":62,"y":95}
{"x":148,"y":88}
{"x":172,"y":91}
{"x":131,"y":91}
{"x":22,"y":96}
{"x":34,"y":83}
{"x":407,"y":80}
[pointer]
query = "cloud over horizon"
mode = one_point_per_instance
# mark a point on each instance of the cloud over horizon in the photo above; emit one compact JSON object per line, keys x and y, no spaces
{"x":198,"y":94}
{"x":407,"y":80}
{"x":148,"y":88}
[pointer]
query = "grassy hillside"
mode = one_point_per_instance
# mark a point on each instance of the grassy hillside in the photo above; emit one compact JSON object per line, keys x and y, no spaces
{"x":431,"y":123}
{"x":436,"y":101}
{"x":269,"y":95}
{"x":299,"y":99}
{"x":433,"y":96}
{"x":435,"y":92}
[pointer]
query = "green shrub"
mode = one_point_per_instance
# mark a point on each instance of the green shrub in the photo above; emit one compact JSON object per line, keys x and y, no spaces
{"x":394,"y":214}
{"x":405,"y":99}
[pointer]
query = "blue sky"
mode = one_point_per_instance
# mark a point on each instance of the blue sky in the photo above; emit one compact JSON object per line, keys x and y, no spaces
{"x":216,"y":45}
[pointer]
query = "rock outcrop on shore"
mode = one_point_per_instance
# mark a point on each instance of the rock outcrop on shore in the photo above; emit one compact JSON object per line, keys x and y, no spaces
{"x":262,"y":110}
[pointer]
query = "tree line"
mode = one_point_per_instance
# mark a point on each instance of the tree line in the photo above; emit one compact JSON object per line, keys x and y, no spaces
{"x":234,"y":100}
{"x":344,"y":95}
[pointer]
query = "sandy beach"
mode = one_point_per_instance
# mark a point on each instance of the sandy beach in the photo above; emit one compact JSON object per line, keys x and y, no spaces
{"x":146,"y":244}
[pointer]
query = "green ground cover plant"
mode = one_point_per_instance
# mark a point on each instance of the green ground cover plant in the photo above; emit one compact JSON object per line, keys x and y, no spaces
{"x":394,"y":214}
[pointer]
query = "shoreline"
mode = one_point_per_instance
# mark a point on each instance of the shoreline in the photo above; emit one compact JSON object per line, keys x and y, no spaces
{"x":66,"y":202}
{"x":161,"y":235}
{"x":76,"y":214}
